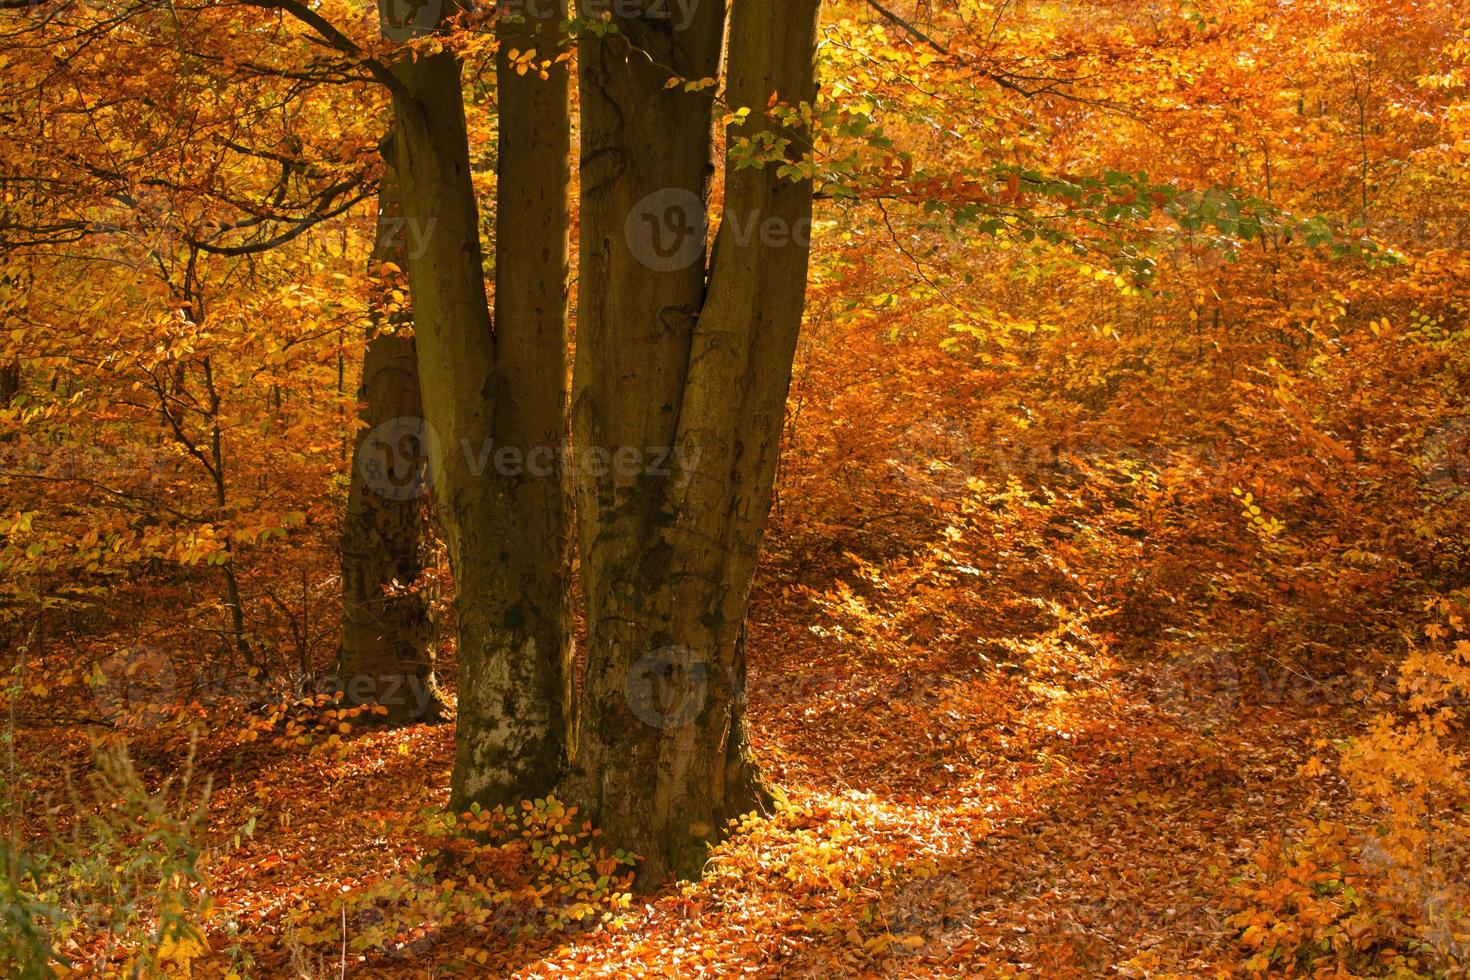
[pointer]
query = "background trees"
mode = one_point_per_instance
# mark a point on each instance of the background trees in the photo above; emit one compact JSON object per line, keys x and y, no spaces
{"x":151,"y":418}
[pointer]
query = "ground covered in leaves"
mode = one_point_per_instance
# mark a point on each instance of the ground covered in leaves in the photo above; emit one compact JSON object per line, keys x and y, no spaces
{"x":1043,"y":809}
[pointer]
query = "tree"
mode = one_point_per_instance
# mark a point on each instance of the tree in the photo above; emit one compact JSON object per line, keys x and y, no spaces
{"x":673,"y":352}
{"x":681,"y":377}
{"x":387,"y":655}
{"x":494,"y":401}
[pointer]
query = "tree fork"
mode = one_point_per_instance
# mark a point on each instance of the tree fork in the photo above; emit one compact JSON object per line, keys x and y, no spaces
{"x":699,"y":359}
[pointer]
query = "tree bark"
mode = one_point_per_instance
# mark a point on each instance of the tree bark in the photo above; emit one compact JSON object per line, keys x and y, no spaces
{"x":16,"y":302}
{"x":9,"y":383}
{"x":387,"y":652}
{"x":694,"y":359}
{"x":532,"y":228}
{"x":489,"y":405}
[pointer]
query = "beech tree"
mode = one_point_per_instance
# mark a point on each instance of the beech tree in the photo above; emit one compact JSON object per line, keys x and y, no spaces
{"x":387,"y":654}
{"x":685,"y":364}
{"x":494,"y":391}
{"x":694,"y":357}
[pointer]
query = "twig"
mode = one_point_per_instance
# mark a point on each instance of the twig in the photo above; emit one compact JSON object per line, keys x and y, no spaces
{"x":910,"y":28}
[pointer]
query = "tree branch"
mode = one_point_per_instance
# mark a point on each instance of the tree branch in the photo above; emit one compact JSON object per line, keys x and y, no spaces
{"x":893,"y":18}
{"x":341,"y":42}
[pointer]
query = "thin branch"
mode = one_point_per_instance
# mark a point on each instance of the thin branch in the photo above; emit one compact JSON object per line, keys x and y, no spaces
{"x":1003,"y":79}
{"x":299,"y":227}
{"x":341,"y":42}
{"x":893,"y":18}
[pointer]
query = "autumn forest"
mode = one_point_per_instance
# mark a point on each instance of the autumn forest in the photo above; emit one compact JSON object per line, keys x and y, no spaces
{"x":771,"y":488}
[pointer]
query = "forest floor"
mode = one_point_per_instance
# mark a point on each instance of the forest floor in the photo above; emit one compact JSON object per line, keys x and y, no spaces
{"x":1057,"y":814}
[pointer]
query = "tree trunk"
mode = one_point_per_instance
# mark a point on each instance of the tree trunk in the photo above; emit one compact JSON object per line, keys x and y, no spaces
{"x":532,"y":228}
{"x":15,"y":301}
{"x":9,"y":383}
{"x":387,"y":653}
{"x":491,"y":401}
{"x":673,"y":355}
